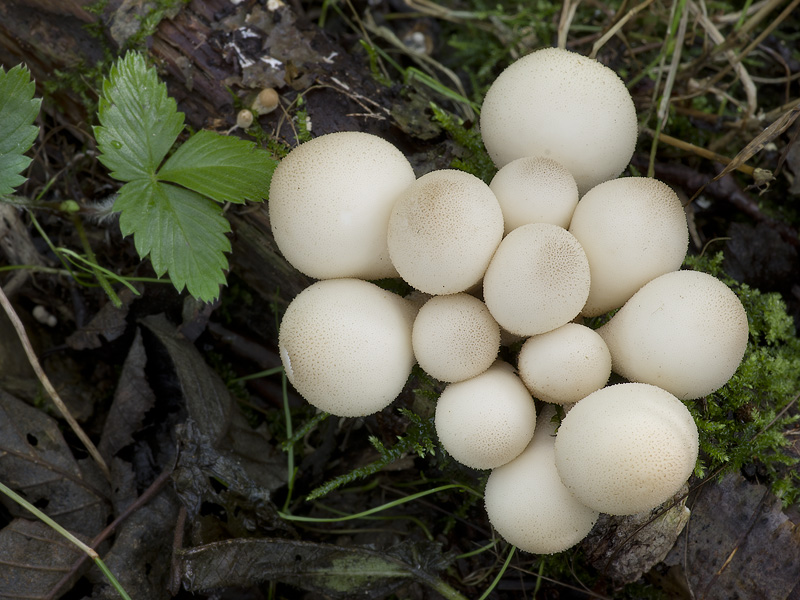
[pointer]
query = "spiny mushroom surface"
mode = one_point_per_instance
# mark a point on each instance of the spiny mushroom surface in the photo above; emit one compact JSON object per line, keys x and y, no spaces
{"x":443,"y":231}
{"x":633,"y":229}
{"x":564,"y":106}
{"x":684,"y":331}
{"x":329,"y":204}
{"x":564,"y":365}
{"x":345,"y":345}
{"x":529,"y":505}
{"x":538,"y":279}
{"x":534,"y":189}
{"x":626,"y":448}
{"x":488,"y":420}
{"x":455,"y":337}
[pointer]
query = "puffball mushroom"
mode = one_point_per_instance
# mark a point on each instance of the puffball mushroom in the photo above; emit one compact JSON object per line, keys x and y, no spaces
{"x":455,"y":337}
{"x":564,"y":365}
{"x":486,"y":421}
{"x":564,"y":106}
{"x":534,"y":189}
{"x":329,"y":204}
{"x":443,"y":231}
{"x":684,"y":331}
{"x":529,"y":505}
{"x":345,"y":345}
{"x":538,"y":279}
{"x":633,"y":230}
{"x":626,"y":448}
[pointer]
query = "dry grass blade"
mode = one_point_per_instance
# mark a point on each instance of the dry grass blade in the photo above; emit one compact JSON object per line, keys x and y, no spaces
{"x":617,"y":26}
{"x":51,"y":391}
{"x":777,"y":127}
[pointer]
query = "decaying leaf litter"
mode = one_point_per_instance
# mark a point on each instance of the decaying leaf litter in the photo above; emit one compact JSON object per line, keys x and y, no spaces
{"x":152,"y":389}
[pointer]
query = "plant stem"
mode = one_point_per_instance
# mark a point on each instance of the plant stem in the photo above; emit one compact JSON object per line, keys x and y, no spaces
{"x":51,"y":391}
{"x":75,"y":541}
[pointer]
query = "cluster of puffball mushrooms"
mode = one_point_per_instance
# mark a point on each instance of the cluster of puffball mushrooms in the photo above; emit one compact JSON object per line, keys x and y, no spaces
{"x":556,"y":236}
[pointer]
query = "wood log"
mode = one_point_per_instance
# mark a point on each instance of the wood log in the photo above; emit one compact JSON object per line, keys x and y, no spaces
{"x":212,"y":54}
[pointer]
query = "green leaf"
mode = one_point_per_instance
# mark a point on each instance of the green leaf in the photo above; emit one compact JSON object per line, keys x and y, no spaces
{"x":183,"y":232}
{"x":18,"y":109}
{"x":139,"y":122}
{"x":224,"y":168}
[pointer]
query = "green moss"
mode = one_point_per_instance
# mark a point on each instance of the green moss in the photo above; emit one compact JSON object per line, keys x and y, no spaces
{"x":745,"y":423}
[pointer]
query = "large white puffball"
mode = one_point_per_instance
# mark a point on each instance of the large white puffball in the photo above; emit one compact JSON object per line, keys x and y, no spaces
{"x":685,"y":331}
{"x":564,"y":365}
{"x":529,"y":505}
{"x":626,"y":448}
{"x":534,"y":189}
{"x":564,"y":106}
{"x":455,"y":337}
{"x":329,"y":204}
{"x":345,"y":345}
{"x":486,"y":421}
{"x":443,"y":231}
{"x":633,"y":230}
{"x":538,"y":279}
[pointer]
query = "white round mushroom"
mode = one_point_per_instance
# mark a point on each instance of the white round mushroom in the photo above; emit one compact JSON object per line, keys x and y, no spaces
{"x":564,"y":365}
{"x":455,"y":337}
{"x":564,"y":106}
{"x":486,"y":421}
{"x":534,"y":189}
{"x":633,"y":230}
{"x":529,"y":505}
{"x":329,"y":204}
{"x":443,"y":231}
{"x":626,"y":448}
{"x":684,"y":331}
{"x":538,"y":279}
{"x":345,"y":345}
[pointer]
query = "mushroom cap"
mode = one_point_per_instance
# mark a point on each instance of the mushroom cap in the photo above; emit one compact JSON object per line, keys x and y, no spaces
{"x":329,"y":204}
{"x":538,"y":279}
{"x":443,"y":231}
{"x":486,"y":421}
{"x":633,"y":230}
{"x":455,"y":337}
{"x":684,"y":331}
{"x":626,"y":448}
{"x":561,"y":105}
{"x":345,"y":345}
{"x":564,"y":365}
{"x":534,"y":189}
{"x":529,"y":505}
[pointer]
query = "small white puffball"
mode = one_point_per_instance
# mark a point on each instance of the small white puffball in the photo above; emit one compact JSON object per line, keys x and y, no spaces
{"x":626,"y":448}
{"x":443,"y":231}
{"x":564,"y":365}
{"x":534,"y":189}
{"x":528,"y":504}
{"x":685,"y":331}
{"x":345,"y":345}
{"x":329,"y":204}
{"x":486,"y":421}
{"x":561,"y":105}
{"x":455,"y":337}
{"x":538,"y":279}
{"x":633,"y":230}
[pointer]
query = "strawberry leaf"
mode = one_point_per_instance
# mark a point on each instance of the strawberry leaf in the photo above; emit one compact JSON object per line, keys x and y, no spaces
{"x":18,"y":109}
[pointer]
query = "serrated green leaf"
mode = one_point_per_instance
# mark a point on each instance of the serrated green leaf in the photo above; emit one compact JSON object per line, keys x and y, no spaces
{"x":181,"y":231}
{"x":224,"y":168}
{"x":18,"y":109}
{"x":139,"y":122}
